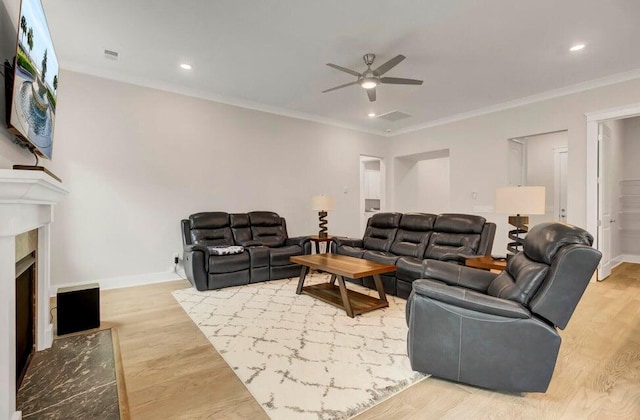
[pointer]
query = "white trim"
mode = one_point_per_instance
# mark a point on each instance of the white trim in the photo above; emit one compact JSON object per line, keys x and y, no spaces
{"x":568,"y":90}
{"x":591,"y":179}
{"x":557,"y":152}
{"x":617,"y":261}
{"x":126,"y":281}
{"x":629,"y":258}
{"x":17,"y":415}
{"x":240,"y":103}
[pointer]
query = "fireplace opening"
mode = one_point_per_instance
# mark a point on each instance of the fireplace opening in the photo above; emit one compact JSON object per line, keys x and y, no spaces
{"x":25,"y":314}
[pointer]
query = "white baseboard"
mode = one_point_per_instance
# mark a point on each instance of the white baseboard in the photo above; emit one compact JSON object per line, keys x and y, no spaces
{"x":126,"y":281}
{"x":629,"y":258}
{"x":17,"y":415}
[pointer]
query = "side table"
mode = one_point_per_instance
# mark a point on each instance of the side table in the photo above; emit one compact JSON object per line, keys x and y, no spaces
{"x":317,"y":240}
{"x":486,"y":262}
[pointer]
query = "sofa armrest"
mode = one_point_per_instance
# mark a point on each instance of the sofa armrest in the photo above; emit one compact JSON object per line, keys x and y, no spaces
{"x":457,"y":275}
{"x":298,"y":240}
{"x":196,"y":265}
{"x":469,"y":299}
{"x":341,"y":241}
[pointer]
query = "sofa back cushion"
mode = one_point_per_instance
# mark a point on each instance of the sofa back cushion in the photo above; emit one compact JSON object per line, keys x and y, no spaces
{"x":240,"y":227}
{"x":520,"y":281}
{"x":210,"y":229}
{"x":268,"y":228}
{"x":413,"y":234}
{"x":381,"y":231}
{"x":455,"y":234}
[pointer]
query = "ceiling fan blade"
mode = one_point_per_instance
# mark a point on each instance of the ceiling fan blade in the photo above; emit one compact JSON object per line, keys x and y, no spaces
{"x":340,"y":87}
{"x":389,"y":64}
{"x":400,"y":81}
{"x":344,"y":69}
{"x":371,"y":93}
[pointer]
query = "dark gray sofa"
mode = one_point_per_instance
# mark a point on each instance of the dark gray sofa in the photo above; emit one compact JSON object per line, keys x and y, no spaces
{"x":263,"y":235}
{"x":499,"y":331}
{"x":408,"y":240}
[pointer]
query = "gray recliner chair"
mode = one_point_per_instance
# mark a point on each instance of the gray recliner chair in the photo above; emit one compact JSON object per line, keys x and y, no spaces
{"x":498,"y":331}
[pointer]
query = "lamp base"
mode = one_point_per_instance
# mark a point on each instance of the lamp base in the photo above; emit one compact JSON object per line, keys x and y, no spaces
{"x":322,"y":217}
{"x":520,"y":223}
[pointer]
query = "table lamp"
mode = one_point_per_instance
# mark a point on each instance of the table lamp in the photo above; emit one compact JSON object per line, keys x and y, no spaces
{"x":521,"y":201}
{"x":322,"y":203}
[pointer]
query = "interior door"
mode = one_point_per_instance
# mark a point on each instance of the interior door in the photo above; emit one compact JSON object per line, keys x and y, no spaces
{"x":604,"y":201}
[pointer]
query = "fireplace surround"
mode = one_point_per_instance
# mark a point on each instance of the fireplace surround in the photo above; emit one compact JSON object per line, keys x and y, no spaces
{"x":27,"y":200}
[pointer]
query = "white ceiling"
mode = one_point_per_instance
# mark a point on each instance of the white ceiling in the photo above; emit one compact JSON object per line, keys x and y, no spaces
{"x":271,"y":54}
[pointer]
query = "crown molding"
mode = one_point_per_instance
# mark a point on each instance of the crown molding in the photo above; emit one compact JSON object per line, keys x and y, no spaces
{"x":240,"y":103}
{"x":539,"y":97}
{"x":255,"y":106}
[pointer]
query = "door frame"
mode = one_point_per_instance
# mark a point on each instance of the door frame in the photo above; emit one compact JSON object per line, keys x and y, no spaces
{"x":557,"y":151}
{"x":593,"y":119}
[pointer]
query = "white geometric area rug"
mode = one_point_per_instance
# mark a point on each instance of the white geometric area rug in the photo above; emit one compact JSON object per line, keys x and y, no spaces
{"x":300,"y":357}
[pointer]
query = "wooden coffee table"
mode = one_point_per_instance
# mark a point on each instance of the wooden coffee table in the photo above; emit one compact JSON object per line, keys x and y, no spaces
{"x":340,"y":266}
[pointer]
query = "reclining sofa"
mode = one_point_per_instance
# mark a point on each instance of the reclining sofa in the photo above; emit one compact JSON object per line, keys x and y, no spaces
{"x":408,"y":240}
{"x":499,"y":331}
{"x":265,"y":256}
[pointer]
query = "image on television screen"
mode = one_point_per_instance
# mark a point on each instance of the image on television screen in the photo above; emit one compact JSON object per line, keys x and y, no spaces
{"x":35,"y":79}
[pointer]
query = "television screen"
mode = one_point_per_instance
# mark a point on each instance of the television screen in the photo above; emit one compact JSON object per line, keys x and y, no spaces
{"x":33,"y":105}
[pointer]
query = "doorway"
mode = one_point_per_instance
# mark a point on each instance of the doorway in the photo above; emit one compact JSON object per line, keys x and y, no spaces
{"x":422,"y":182}
{"x":371,"y":188}
{"x":606,"y":188}
{"x":541,"y":160}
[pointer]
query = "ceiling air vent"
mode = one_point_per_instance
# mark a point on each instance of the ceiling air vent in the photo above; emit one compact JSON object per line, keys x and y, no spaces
{"x":111,"y":55}
{"x":394,"y":116}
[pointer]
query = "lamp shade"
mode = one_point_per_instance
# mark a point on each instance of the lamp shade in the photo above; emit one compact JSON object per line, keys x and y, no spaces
{"x":520,"y":200}
{"x":321,"y":203}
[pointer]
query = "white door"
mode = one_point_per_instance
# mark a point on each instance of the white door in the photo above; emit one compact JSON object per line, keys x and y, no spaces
{"x":561,"y":156}
{"x":604,"y":204}
{"x":517,"y":162}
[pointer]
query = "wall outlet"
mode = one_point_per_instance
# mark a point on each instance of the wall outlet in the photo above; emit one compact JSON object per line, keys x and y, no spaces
{"x":176,"y":257}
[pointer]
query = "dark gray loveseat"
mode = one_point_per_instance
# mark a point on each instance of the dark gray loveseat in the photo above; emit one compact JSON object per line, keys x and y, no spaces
{"x":266,"y":253}
{"x":408,"y":240}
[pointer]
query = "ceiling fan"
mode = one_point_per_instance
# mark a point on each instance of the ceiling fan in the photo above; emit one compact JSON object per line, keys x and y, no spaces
{"x":369,"y":79}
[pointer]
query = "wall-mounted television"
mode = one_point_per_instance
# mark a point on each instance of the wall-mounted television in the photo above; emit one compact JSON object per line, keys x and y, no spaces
{"x":31,"y":103}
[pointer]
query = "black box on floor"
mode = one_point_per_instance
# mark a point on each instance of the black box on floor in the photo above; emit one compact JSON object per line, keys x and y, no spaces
{"x":78,"y":308}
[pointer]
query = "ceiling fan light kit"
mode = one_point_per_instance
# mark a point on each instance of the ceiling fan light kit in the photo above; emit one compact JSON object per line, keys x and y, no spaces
{"x":370,"y":79}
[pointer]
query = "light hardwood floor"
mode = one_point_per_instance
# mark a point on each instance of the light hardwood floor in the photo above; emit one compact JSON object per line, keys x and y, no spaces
{"x":172,"y":372}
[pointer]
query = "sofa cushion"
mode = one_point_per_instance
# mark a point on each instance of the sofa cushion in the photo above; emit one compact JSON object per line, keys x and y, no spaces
{"x":240,"y":227}
{"x":545,"y":239}
{"x":280,"y":256}
{"x":381,"y":257}
{"x":409,"y":268}
{"x":413,"y":234}
{"x":520,"y":281}
{"x":418,"y":222}
{"x":459,"y":223}
{"x":443,"y":245}
{"x":352,"y":251}
{"x":385,"y":220}
{"x":210,"y":228}
{"x":268,"y":228}
{"x":228,"y":263}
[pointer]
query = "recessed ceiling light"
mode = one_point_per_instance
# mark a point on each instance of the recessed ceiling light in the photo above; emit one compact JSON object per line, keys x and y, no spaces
{"x":577,"y":47}
{"x":185,"y":66}
{"x":371,"y":114}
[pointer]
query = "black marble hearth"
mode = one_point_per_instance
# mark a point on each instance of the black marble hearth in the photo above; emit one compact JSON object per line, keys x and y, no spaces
{"x":74,"y":379}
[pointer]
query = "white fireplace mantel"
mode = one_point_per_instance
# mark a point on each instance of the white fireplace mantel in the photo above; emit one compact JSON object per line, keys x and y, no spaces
{"x":27,"y":199}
